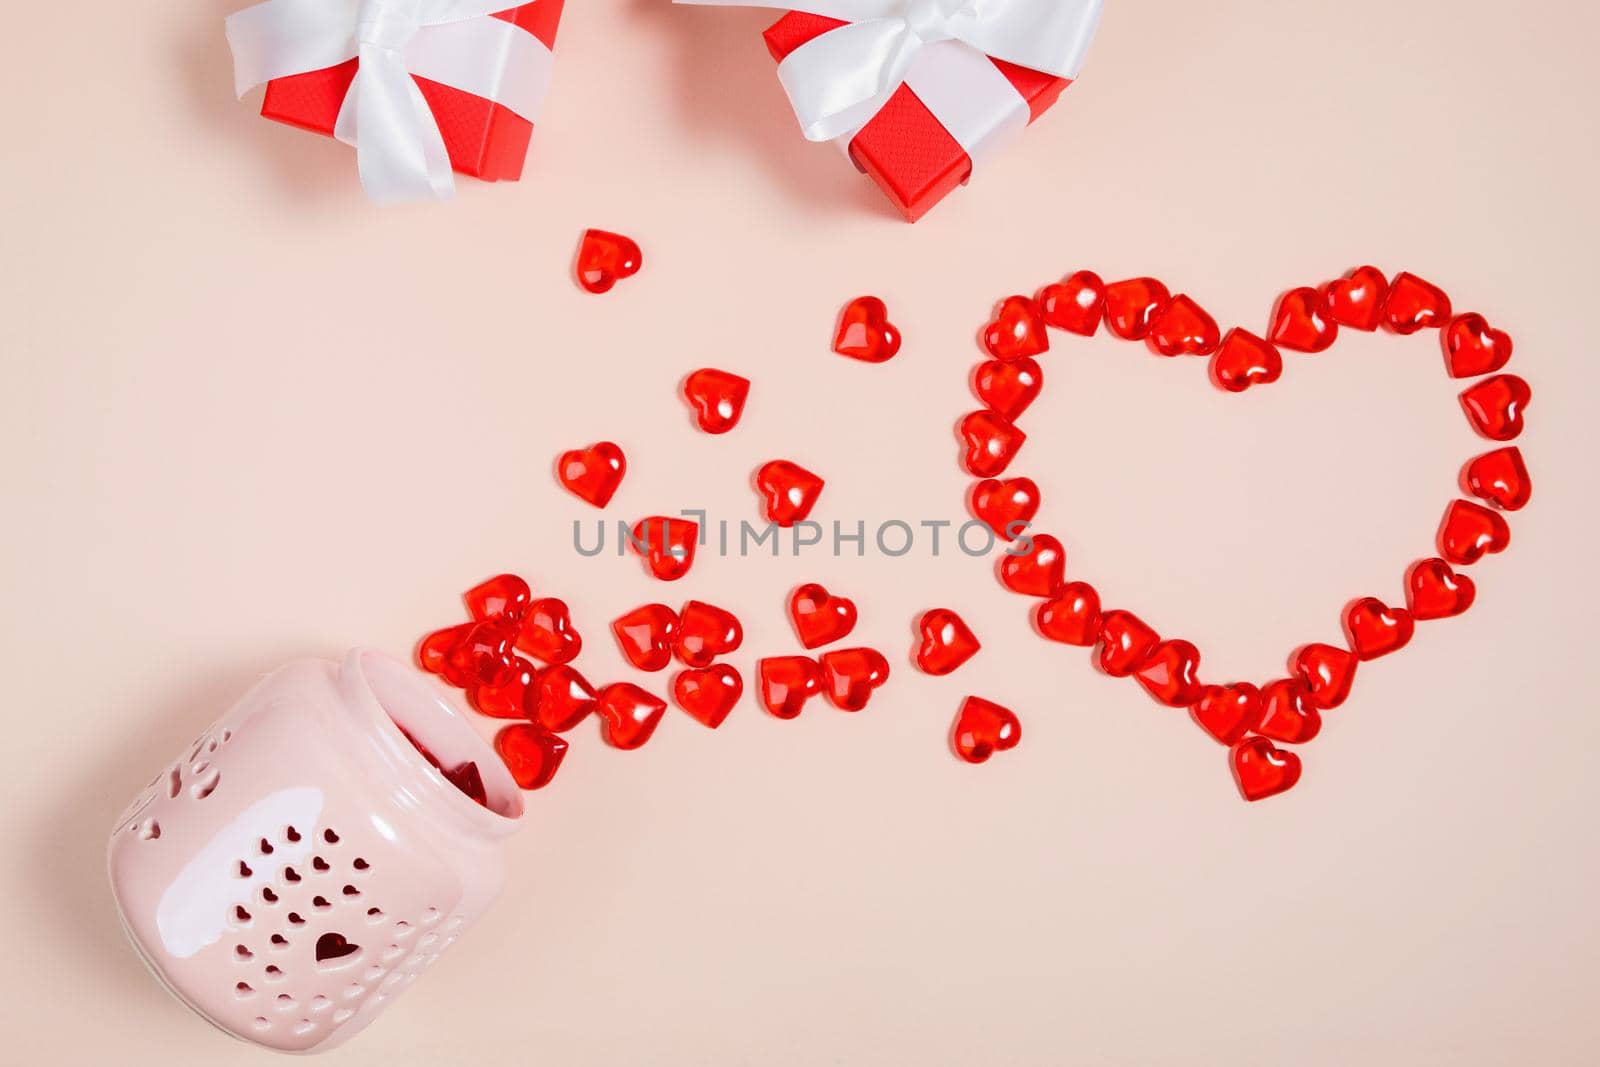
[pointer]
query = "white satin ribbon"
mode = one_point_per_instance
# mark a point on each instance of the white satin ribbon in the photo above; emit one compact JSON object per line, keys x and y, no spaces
{"x":399,"y":150}
{"x":841,"y":79}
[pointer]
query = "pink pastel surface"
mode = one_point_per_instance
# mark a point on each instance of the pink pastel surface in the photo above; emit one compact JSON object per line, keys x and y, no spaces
{"x":248,"y":418}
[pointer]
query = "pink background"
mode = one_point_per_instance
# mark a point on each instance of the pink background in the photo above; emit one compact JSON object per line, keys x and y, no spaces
{"x":248,"y":417}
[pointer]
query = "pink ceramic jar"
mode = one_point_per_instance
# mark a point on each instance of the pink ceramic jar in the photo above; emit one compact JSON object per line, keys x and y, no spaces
{"x":302,"y":862}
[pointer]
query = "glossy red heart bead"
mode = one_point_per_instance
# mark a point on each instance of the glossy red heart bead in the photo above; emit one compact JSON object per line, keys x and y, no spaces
{"x":1072,"y":616}
{"x":705,"y":632}
{"x":947,"y":641}
{"x":1356,"y":300}
{"x":531,"y":753}
{"x":1263,"y":770}
{"x":1375,"y":629}
{"x":983,"y":728}
{"x":787,"y":682}
{"x":647,"y":635}
{"x":1227,"y":712}
{"x":1500,"y":477}
{"x":604,"y":258}
{"x":1302,"y":322}
{"x":850,"y":675}
{"x":1076,"y":304}
{"x":668,"y":545}
{"x":629,"y":715}
{"x":790,"y":491}
{"x":435,"y":649}
{"x":484,"y":656}
{"x":865,"y":332}
{"x":547,"y":633}
{"x":1495,"y":406}
{"x":594,"y":473}
{"x":1327,"y":672}
{"x":510,"y":700}
{"x":1184,"y":328}
{"x":708,"y":693}
{"x":1017,"y":332}
{"x":1288,"y":714}
{"x":1471,"y":531}
{"x":1125,"y":642}
{"x":1006,"y":507}
{"x":1170,"y":673}
{"x":1008,"y":388}
{"x":565,"y":698}
{"x":1435,"y":591}
{"x":992,"y":443}
{"x":820,"y":618}
{"x":1472,"y":347}
{"x":1413,"y":304}
{"x":1243,"y":360}
{"x":1038,"y":571}
{"x":1132,"y":306}
{"x":718,"y":398}
{"x":503,"y":596}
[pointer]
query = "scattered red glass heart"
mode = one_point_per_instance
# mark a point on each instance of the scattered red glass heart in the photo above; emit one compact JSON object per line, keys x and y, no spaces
{"x":531,"y":753}
{"x":1008,"y":388}
{"x":504,"y":595}
{"x":1227,"y":712}
{"x":1413,"y":304}
{"x":1495,"y":406}
{"x":1328,"y":673}
{"x":1017,"y":332}
{"x":1435,"y":591}
{"x":1356,"y":300}
{"x":820,"y":618}
{"x":547,"y":632}
{"x":1302,"y":322}
{"x":865,"y":332}
{"x":1243,"y":360}
{"x":787,"y":682}
{"x":1375,"y":629}
{"x":484,"y":656}
{"x":1500,"y":477}
{"x":435,"y":649}
{"x":1072,"y":616}
{"x":1289,"y":716}
{"x":1076,"y":304}
{"x":718,"y":398}
{"x":1170,"y":673}
{"x":1184,"y":328}
{"x":984,"y":728}
{"x":850,"y":675}
{"x":708,"y":693}
{"x":1125,"y":643}
{"x":511,"y":700}
{"x":705,"y":632}
{"x":1262,"y":770}
{"x":1470,"y":532}
{"x":790,"y":490}
{"x":992,"y":443}
{"x":629,"y":714}
{"x":668,"y":545}
{"x":646,"y":636}
{"x":1473,"y":347}
{"x":593,"y":473}
{"x":565,"y":698}
{"x":1132,"y":307}
{"x":1006,"y":507}
{"x":1039,"y":571}
{"x":605,"y":258}
{"x":947,"y":641}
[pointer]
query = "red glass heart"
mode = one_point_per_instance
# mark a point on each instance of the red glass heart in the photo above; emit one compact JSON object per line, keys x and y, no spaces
{"x":1184,"y":328}
{"x":565,"y":698}
{"x":629,"y":715}
{"x":1008,"y":388}
{"x":718,"y":398}
{"x":1327,"y":672}
{"x":435,"y":649}
{"x":1495,"y":406}
{"x":1435,"y":591}
{"x":1125,"y":643}
{"x":511,"y":700}
{"x":1470,"y":532}
{"x":1499,"y":477}
{"x":983,"y":728}
{"x":705,"y":632}
{"x":947,"y":641}
{"x":547,"y":632}
{"x":1006,"y":507}
{"x":669,"y":545}
{"x":992,"y":443}
{"x":646,"y":636}
{"x":865,"y":332}
{"x":1243,"y":360}
{"x":484,"y":656}
{"x":1263,"y":770}
{"x":1076,"y":304}
{"x":1170,"y":673}
{"x":708,"y":693}
{"x":1227,"y":712}
{"x":604,"y":258}
{"x":1072,"y":616}
{"x":1017,"y":332}
{"x":850,"y":675}
{"x":790,"y":490}
{"x":1039,"y":571}
{"x":1473,"y":347}
{"x":593,"y":473}
{"x":787,"y":682}
{"x":531,"y":753}
{"x":1414,"y":304}
{"x":820,"y":618}
{"x":1288,"y":714}
{"x":1375,"y":629}
{"x":1356,"y":300}
{"x":1132,"y":306}
{"x":1302,"y":322}
{"x":503,"y":595}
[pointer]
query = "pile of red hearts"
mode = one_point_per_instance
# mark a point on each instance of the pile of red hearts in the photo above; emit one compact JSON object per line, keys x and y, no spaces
{"x":1252,"y":721}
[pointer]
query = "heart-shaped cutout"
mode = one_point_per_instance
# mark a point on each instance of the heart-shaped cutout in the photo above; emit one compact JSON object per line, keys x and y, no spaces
{"x":332,"y":947}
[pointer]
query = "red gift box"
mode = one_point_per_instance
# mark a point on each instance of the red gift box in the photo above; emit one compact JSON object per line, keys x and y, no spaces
{"x":484,"y":139}
{"x":905,"y":149}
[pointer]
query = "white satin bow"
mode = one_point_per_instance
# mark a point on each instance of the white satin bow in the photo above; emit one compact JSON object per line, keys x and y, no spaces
{"x":838,"y":81}
{"x":399,"y":151}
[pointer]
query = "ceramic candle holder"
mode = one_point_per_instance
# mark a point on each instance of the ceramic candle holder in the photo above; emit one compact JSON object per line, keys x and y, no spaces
{"x":302,"y":862}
